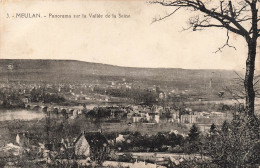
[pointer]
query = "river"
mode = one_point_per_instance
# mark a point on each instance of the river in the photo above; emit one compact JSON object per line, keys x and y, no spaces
{"x":20,"y":114}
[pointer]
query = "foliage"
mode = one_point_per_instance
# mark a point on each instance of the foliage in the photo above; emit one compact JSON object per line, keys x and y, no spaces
{"x":198,"y":163}
{"x":193,"y":144}
{"x":236,"y":144}
{"x":67,"y":164}
{"x":194,"y":133}
{"x":139,"y":95}
{"x":126,"y":158}
{"x":212,"y":128}
{"x":99,"y":154}
{"x":148,"y":143}
{"x":40,"y":95}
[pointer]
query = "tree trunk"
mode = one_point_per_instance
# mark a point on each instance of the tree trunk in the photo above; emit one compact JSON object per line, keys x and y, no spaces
{"x":249,"y":77}
{"x":250,"y":64}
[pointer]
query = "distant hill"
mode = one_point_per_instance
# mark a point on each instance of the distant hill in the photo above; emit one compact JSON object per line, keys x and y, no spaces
{"x":70,"y":69}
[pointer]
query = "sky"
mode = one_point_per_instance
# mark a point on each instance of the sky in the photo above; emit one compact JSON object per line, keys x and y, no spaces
{"x":131,"y":42}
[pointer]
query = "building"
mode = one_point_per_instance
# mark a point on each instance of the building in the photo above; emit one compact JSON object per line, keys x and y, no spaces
{"x":22,"y":139}
{"x":120,"y":138}
{"x":137,"y":118}
{"x":25,"y":100}
{"x":217,"y":114}
{"x":91,"y":144}
{"x":191,"y":119}
{"x":157,"y":118}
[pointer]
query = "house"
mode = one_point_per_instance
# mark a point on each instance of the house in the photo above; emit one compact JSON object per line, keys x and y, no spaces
{"x":148,"y":117}
{"x":157,"y":118}
{"x":189,"y":118}
{"x":25,"y":139}
{"x":25,"y":100}
{"x":91,"y":144}
{"x":21,"y":139}
{"x":137,"y":117}
{"x":120,"y":138}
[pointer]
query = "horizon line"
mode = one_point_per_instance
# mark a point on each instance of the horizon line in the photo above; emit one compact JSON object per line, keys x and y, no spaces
{"x":124,"y":66}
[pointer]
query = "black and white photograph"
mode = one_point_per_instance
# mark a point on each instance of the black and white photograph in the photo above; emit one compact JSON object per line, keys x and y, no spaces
{"x":129,"y":84}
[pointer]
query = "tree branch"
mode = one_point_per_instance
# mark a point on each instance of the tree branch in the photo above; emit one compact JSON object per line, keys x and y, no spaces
{"x":256,"y":82}
{"x":222,"y":17}
{"x":231,"y":9}
{"x":239,"y":76}
{"x":210,"y":25}
{"x":226,"y":44}
{"x":156,"y":20}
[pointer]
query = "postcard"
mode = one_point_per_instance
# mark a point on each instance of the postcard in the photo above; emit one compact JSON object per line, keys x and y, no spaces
{"x":113,"y":83}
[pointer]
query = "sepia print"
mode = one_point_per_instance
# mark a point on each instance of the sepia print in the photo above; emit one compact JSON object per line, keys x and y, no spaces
{"x":129,"y":84}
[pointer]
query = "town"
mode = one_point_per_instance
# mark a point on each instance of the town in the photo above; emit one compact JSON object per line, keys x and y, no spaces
{"x":115,"y":122}
{"x":130,"y":84}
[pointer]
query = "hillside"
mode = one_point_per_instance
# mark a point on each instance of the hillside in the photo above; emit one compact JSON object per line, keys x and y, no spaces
{"x":45,"y":70}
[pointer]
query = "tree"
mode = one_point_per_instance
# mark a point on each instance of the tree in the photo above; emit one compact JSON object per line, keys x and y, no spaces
{"x":234,"y":16}
{"x":224,"y":127}
{"x":194,"y":133}
{"x":234,"y":145}
{"x":212,"y":129}
{"x":193,"y":140}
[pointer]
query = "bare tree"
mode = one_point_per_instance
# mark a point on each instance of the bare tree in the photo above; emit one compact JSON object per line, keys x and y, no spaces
{"x":237,"y":91}
{"x":237,"y":16}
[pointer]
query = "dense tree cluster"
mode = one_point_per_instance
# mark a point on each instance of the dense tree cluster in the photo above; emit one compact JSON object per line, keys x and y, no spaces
{"x":235,"y":144}
{"x":160,"y":142}
{"x":40,"y":95}
{"x":139,"y":95}
{"x":100,"y":113}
